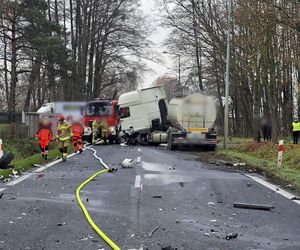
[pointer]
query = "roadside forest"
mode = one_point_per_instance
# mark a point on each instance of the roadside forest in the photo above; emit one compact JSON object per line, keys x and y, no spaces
{"x":265,"y":57}
{"x":68,"y":50}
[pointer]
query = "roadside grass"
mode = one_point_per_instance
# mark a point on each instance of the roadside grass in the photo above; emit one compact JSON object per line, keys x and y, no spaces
{"x":263,"y":156}
{"x":27,"y":154}
{"x":233,"y":141}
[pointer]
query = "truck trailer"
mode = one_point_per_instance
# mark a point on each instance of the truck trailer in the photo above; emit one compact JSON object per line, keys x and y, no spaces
{"x":192,"y":118}
{"x":148,"y":118}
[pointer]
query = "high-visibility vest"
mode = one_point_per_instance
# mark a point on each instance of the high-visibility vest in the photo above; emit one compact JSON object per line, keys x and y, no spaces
{"x":64,"y":131}
{"x":296,"y":126}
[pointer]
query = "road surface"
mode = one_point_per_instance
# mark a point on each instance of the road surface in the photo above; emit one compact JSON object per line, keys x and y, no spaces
{"x":167,"y":199}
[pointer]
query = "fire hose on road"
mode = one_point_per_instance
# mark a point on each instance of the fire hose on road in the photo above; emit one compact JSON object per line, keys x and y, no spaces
{"x":84,"y":209}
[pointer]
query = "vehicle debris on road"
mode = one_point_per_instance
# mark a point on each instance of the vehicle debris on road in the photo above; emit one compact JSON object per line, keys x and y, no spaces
{"x":252,"y":206}
{"x":295,"y":199}
{"x":169,"y":248}
{"x":231,"y":236}
{"x":157,"y":196}
{"x":153,"y":231}
{"x":5,"y":158}
{"x":61,"y":224}
{"x":128,"y":163}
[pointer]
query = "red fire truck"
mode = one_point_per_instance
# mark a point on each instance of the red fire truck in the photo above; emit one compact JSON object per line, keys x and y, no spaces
{"x":104,"y":110}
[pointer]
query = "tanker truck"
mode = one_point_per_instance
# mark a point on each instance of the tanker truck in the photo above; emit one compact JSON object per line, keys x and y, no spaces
{"x":148,"y":118}
{"x":193,"y":118}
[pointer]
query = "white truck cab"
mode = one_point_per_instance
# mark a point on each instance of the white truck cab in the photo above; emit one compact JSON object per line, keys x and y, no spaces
{"x":143,"y":110}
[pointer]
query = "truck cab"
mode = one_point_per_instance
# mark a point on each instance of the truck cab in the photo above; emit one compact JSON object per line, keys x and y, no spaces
{"x":104,"y":110}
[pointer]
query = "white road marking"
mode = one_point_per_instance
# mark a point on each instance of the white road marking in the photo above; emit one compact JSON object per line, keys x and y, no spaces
{"x":137,"y":183}
{"x":20,"y":179}
{"x":2,"y":189}
{"x":138,"y":160}
{"x":139,"y":150}
{"x":41,"y":169}
{"x":273,"y":187}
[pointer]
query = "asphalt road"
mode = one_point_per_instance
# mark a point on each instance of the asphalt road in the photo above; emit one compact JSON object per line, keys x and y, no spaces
{"x":167,"y":199}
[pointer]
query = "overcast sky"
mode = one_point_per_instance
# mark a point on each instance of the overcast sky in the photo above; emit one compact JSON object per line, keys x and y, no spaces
{"x":158,"y":37}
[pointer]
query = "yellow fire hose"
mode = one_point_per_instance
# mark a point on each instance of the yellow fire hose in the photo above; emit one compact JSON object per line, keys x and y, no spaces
{"x":87,"y":215}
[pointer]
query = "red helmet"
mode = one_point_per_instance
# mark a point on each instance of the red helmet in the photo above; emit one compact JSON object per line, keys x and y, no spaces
{"x":60,"y":118}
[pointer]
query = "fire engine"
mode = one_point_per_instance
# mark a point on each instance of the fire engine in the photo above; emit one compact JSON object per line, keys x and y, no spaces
{"x":100,"y":109}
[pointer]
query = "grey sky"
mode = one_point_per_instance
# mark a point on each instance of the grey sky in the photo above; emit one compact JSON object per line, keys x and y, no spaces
{"x":158,"y":37}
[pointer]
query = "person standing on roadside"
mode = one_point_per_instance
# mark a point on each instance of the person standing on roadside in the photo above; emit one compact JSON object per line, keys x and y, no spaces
{"x":77,"y":130}
{"x":296,"y":131}
{"x":44,"y":136}
{"x":64,"y":136}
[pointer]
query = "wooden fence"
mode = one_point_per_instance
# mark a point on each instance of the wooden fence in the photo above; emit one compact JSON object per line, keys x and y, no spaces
{"x":13,"y":130}
{"x":25,"y":128}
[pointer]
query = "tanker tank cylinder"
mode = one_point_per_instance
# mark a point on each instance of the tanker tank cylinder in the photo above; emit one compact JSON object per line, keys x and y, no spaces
{"x":195,"y":113}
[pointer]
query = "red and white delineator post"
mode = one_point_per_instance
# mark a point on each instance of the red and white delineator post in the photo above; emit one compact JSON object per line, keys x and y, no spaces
{"x":280,"y":153}
{"x":1,"y":149}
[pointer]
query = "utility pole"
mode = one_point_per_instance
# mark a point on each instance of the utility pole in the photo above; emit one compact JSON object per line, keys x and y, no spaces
{"x":226,"y":118}
{"x":179,"y":72}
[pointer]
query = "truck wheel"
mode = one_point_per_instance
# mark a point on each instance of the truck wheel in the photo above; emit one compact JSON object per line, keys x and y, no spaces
{"x":111,"y":140}
{"x":6,"y":160}
{"x":90,"y":139}
{"x":116,"y":139}
{"x":212,"y":148}
{"x":142,"y":140}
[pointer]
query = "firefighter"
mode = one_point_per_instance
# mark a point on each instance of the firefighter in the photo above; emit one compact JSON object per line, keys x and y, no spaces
{"x":64,"y":135}
{"x":100,"y":130}
{"x":296,"y":131}
{"x":45,"y":136}
{"x":77,"y":130}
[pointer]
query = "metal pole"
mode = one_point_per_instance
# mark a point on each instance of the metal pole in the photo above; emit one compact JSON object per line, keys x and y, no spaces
{"x":179,"y":71}
{"x":227,"y":77}
{"x":195,"y":73}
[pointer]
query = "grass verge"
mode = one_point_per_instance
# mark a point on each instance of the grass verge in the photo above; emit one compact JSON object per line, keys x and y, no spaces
{"x":263,"y":157}
{"x":26,"y":154}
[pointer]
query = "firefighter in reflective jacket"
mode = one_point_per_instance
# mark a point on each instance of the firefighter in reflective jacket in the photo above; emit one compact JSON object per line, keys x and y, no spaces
{"x":77,"y":131}
{"x":296,"y":131}
{"x":64,"y":136}
{"x":100,"y":130}
{"x":44,"y":135}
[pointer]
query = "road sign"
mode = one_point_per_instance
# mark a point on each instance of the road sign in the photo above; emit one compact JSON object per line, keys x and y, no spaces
{"x":280,"y":153}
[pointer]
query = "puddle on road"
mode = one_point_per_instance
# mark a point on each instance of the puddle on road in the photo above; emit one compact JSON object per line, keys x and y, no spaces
{"x":165,"y":174}
{"x":156,"y":167}
{"x":166,"y":179}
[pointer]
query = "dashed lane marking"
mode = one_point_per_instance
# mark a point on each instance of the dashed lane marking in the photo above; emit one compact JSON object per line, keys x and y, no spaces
{"x":137,"y":183}
{"x":138,"y":160}
{"x":273,"y":187}
{"x":2,"y":189}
